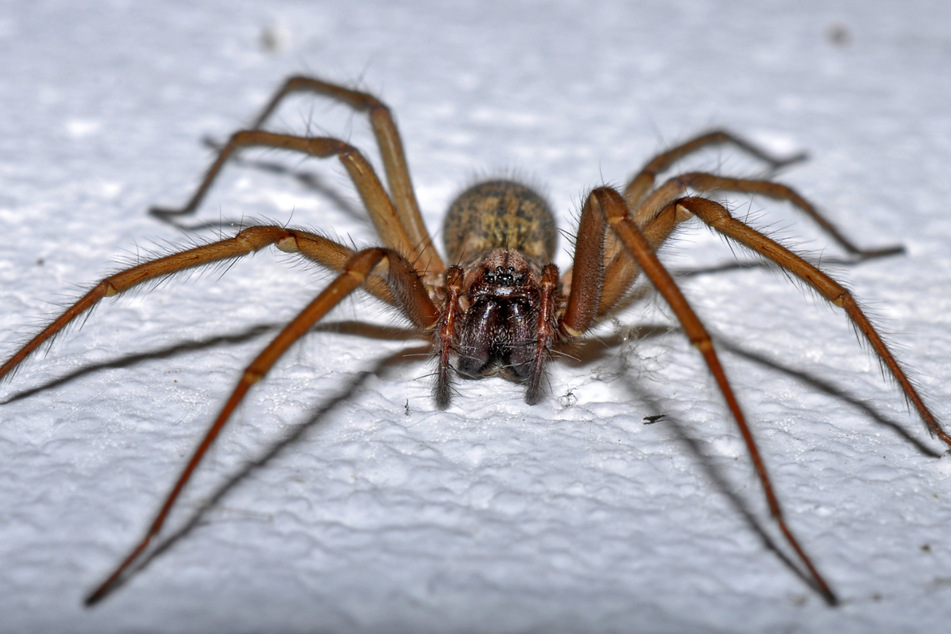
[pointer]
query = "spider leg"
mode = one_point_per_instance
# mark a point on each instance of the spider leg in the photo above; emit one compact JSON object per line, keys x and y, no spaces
{"x":387,"y":135}
{"x":717,"y":216}
{"x":386,"y":219}
{"x":621,"y":269}
{"x":405,"y":284}
{"x":643,"y":181}
{"x":614,"y":280}
{"x":616,"y":257}
{"x":610,"y":204}
{"x":704,"y":182}
{"x":546,"y":333}
{"x":311,"y":246}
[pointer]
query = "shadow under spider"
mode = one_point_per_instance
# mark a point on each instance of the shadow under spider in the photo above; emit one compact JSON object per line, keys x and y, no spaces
{"x":715,"y":474}
{"x":316,"y":416}
{"x":361,"y":329}
{"x":591,"y":350}
{"x":582,"y":353}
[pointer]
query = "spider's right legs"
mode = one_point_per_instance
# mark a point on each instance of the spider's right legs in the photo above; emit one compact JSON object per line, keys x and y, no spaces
{"x":387,"y":136}
{"x":314,"y":247}
{"x":618,"y":261}
{"x":641,"y":195}
{"x":719,"y":219}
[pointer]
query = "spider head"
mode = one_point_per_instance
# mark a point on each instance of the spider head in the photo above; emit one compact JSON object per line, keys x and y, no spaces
{"x":497,"y":329}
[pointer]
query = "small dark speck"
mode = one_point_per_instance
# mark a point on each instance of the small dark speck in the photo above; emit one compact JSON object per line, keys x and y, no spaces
{"x":274,"y":38}
{"x":40,"y":261}
{"x":406,"y":407}
{"x":839,"y":35}
{"x":650,"y":420}
{"x":926,"y":548}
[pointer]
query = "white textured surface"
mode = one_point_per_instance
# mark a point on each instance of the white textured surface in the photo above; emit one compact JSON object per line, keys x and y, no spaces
{"x":491,"y":516}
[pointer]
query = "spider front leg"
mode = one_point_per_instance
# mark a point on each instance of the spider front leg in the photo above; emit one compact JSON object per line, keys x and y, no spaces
{"x":311,"y":246}
{"x":413,"y":300}
{"x":606,"y":207}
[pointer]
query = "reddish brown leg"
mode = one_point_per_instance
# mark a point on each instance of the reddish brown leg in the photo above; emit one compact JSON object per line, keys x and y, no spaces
{"x":621,"y":268}
{"x":623,"y":271}
{"x":703,"y":182}
{"x":387,"y":136}
{"x":385,"y":218}
{"x":716,"y":215}
{"x":643,"y":181}
{"x":603,"y":286}
{"x":611,"y":206}
{"x":311,"y":246}
{"x":586,"y":277}
{"x":445,"y":335}
{"x":415,"y":302}
{"x":404,"y":204}
{"x":548,"y":328}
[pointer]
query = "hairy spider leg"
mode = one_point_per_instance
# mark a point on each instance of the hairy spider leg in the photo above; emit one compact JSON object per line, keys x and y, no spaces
{"x":406,"y":208}
{"x":313,"y":247}
{"x":413,"y":299}
{"x":621,"y":269}
{"x":608,"y":203}
{"x":717,"y":217}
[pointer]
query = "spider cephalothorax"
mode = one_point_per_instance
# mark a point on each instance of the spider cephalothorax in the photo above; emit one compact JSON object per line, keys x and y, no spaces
{"x":496,"y":331}
{"x":504,"y":234}
{"x":501,"y":305}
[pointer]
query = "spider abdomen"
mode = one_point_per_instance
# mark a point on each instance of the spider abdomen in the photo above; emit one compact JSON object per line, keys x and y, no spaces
{"x":499,"y":214}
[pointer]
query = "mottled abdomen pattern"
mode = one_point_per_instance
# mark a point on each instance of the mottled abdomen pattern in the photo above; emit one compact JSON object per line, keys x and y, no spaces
{"x":500,"y":214}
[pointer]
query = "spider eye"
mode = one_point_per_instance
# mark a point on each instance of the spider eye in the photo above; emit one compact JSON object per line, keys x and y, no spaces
{"x":503,"y":276}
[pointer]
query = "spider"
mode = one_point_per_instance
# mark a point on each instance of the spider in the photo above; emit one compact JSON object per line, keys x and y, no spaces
{"x":500,"y":307}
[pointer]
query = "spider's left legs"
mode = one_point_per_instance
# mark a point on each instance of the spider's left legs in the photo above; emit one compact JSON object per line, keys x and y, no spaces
{"x":717,"y":216}
{"x":606,"y":206}
{"x":643,"y":181}
{"x":311,"y":246}
{"x":416,"y":304}
{"x":621,"y":269}
{"x":704,"y":182}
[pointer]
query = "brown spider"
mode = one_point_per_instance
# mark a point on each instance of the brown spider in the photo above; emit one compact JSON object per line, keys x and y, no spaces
{"x":501,"y":306}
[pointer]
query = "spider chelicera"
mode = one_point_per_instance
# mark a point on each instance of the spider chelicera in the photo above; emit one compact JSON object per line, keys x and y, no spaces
{"x":500,"y":307}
